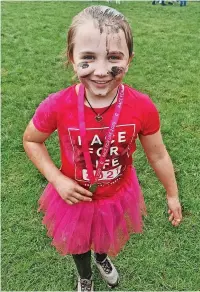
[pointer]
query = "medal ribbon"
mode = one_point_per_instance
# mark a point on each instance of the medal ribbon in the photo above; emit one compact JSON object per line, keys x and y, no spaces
{"x":108,"y":137}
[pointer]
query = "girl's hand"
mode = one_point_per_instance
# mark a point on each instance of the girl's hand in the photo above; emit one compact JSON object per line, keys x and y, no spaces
{"x":175,"y":213}
{"x":70,"y":191}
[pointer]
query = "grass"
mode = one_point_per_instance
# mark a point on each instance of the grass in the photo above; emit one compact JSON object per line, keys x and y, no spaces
{"x":166,"y":67}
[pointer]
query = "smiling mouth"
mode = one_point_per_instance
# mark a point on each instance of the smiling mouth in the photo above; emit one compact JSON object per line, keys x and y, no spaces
{"x":100,"y":82}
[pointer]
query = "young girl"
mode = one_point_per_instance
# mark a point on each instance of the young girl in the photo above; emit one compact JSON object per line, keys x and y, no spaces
{"x":94,"y":202}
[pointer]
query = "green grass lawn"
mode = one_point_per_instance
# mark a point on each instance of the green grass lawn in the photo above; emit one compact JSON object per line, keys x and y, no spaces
{"x":166,"y":66}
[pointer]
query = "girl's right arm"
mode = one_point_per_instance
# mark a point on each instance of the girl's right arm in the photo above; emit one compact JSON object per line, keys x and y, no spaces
{"x":68,"y":189}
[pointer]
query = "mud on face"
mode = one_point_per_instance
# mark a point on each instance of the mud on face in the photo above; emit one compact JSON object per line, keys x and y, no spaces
{"x":84,"y":69}
{"x":83,"y":65}
{"x":115,"y":70}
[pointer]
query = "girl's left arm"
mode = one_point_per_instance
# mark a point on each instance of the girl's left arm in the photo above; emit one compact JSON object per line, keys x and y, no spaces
{"x":160,"y":161}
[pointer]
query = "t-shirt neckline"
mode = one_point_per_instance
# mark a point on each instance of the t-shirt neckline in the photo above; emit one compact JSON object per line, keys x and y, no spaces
{"x":96,"y":108}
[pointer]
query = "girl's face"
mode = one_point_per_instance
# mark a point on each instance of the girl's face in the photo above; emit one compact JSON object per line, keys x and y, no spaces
{"x":100,"y":60}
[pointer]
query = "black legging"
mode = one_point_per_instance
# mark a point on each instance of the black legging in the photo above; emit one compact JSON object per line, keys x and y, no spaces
{"x":83,"y":263}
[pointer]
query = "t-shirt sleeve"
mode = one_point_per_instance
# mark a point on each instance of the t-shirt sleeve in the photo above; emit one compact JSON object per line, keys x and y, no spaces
{"x":45,"y":117}
{"x":151,"y":119}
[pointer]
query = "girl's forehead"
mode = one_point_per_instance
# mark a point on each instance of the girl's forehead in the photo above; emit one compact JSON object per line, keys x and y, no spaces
{"x":89,"y":35}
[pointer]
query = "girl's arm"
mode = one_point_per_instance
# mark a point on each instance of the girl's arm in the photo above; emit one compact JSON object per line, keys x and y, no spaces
{"x":160,"y":161}
{"x":69,"y":190}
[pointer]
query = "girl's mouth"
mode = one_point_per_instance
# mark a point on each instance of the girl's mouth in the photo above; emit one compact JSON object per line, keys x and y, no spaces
{"x":100,"y":82}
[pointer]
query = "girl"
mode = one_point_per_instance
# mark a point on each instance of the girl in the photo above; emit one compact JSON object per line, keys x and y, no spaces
{"x":94,"y":202}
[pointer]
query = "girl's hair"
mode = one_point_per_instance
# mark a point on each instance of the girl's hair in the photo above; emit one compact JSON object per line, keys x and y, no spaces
{"x":104,"y":17}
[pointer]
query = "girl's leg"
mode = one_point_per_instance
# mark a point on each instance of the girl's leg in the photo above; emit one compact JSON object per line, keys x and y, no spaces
{"x":100,"y":257}
{"x":83,"y":264}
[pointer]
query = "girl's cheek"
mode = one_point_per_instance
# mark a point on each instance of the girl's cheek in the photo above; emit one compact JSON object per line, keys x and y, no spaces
{"x":84,"y":69}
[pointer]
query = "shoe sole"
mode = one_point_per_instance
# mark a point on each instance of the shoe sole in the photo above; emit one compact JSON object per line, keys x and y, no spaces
{"x":113,"y":285}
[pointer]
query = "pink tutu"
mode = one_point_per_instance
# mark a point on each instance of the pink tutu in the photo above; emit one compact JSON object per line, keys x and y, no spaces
{"x":103,"y":225}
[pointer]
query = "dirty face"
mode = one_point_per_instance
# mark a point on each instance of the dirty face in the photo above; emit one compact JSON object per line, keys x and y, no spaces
{"x":100,"y":58}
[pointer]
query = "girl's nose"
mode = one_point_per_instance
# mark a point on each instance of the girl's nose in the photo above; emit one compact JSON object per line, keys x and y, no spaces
{"x":101,"y":69}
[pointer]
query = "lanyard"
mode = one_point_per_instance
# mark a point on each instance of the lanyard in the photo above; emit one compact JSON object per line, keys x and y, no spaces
{"x":108,"y":137}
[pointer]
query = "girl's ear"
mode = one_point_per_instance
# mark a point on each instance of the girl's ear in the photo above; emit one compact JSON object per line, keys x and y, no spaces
{"x":71,"y":61}
{"x":126,"y":69}
{"x":131,"y":57}
{"x":74,"y":67}
{"x":129,"y":61}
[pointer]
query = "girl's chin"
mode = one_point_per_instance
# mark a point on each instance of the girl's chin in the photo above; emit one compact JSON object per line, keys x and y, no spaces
{"x":99,"y":91}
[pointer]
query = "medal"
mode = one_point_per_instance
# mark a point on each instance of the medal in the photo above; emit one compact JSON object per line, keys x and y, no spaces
{"x":93,"y":187}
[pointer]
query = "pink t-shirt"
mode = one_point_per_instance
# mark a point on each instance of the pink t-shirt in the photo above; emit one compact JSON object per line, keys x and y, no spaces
{"x":60,"y":111}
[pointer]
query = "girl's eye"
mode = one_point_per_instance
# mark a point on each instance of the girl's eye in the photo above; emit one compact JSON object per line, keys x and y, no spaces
{"x":88,"y":57}
{"x":113,"y":58}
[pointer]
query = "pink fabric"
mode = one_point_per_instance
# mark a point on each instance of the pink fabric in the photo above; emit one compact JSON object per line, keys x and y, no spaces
{"x":102,"y":225}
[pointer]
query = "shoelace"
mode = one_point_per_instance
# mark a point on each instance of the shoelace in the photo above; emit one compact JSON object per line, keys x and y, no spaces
{"x":86,"y":285}
{"x":106,"y":266}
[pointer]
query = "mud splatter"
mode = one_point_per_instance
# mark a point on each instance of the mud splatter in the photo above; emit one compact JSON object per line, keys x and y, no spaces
{"x":84,"y":69}
{"x":83,"y":65}
{"x":115,"y":70}
{"x":105,"y":17}
{"x":107,"y":49}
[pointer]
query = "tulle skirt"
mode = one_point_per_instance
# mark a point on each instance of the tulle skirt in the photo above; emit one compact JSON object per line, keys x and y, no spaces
{"x":103,"y":225}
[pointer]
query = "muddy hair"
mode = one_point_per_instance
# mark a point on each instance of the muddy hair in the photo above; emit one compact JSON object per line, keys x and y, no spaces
{"x":106,"y":19}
